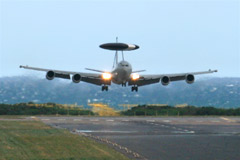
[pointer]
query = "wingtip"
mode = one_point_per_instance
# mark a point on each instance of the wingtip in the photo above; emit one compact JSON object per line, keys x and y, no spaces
{"x":213,"y":70}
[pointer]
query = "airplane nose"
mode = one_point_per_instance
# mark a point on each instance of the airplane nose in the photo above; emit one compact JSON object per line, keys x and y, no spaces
{"x":124,"y":72}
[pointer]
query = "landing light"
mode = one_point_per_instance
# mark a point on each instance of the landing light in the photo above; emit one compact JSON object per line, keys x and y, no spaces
{"x":135,"y":76}
{"x":106,"y":76}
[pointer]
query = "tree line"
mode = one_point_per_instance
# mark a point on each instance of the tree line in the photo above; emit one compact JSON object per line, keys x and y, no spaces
{"x":141,"y":110}
{"x":144,"y":110}
{"x":41,"y":109}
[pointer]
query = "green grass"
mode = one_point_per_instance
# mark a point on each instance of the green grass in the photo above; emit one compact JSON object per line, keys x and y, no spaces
{"x":12,"y":116}
{"x":33,"y":140}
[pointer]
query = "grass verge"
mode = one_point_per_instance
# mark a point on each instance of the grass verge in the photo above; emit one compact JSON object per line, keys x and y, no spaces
{"x":33,"y":140}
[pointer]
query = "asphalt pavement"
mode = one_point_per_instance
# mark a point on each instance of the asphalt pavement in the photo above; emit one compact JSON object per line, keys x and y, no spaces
{"x":160,"y":138}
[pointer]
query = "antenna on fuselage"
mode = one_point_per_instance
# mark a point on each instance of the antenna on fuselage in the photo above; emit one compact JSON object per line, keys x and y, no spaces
{"x":122,"y":56}
{"x":116,"y":54}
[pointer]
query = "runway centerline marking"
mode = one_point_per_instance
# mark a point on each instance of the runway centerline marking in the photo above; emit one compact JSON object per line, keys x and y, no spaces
{"x":166,"y":121}
{"x":45,"y":119}
{"x":184,"y":132}
{"x":94,"y":120}
{"x":61,"y":119}
{"x":110,"y":120}
{"x":77,"y":120}
{"x":150,"y":120}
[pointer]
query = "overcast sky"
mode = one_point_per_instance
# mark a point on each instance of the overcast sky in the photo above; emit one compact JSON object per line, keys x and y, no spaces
{"x":174,"y":35}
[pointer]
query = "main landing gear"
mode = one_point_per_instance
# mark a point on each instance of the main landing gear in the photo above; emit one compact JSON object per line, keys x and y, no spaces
{"x":134,"y":88}
{"x":104,"y":88}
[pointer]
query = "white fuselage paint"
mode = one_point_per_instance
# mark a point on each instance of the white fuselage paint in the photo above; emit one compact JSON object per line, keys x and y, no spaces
{"x":121,"y":74}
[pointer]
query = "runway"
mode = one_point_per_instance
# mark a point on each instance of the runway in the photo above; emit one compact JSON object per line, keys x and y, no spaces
{"x":162,"y":138}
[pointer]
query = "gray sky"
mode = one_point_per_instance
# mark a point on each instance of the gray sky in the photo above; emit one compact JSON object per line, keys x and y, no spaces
{"x":173,"y":35}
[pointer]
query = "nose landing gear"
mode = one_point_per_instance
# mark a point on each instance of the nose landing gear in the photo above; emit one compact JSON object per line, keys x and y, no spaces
{"x":124,"y":84}
{"x":135,"y":88}
{"x":104,"y":88}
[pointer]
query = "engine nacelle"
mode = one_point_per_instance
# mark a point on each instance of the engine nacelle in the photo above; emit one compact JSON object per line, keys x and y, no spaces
{"x":165,"y":80}
{"x":76,"y":78}
{"x":50,"y":75}
{"x":189,"y":78}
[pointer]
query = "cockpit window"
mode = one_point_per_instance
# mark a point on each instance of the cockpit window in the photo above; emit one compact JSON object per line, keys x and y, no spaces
{"x":124,"y":65}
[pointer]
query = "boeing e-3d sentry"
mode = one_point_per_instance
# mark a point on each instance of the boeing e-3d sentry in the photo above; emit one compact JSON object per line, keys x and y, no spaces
{"x":122,"y":73}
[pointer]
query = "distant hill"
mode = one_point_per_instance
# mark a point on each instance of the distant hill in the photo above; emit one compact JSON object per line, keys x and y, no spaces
{"x":218,"y":92}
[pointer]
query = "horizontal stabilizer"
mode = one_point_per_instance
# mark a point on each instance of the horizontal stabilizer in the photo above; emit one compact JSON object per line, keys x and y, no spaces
{"x":95,"y":70}
{"x":138,"y":71}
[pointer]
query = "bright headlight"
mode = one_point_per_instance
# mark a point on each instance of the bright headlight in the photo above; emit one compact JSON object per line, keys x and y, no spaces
{"x":135,"y":76}
{"x":106,"y":76}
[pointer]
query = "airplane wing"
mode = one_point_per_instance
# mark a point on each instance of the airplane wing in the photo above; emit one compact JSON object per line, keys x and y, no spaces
{"x":93,"y":78}
{"x":167,"y":78}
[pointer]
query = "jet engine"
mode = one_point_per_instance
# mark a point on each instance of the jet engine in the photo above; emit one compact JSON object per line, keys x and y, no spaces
{"x":76,"y":78}
{"x":165,"y":80}
{"x":50,"y":75}
{"x":189,"y":78}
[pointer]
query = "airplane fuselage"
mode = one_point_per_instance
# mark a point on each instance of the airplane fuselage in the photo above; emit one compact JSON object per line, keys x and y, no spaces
{"x":121,"y":74}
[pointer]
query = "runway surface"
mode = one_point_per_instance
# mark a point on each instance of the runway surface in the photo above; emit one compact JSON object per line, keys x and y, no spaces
{"x":163,"y":138}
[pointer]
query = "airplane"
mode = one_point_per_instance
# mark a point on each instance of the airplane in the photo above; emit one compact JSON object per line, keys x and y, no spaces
{"x":122,"y":73}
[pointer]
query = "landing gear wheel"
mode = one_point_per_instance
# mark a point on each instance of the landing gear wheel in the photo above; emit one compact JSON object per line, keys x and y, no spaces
{"x":104,"y":88}
{"x":134,"y":88}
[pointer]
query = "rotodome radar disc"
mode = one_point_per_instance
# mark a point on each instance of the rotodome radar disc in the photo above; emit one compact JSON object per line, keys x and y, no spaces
{"x":119,"y":46}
